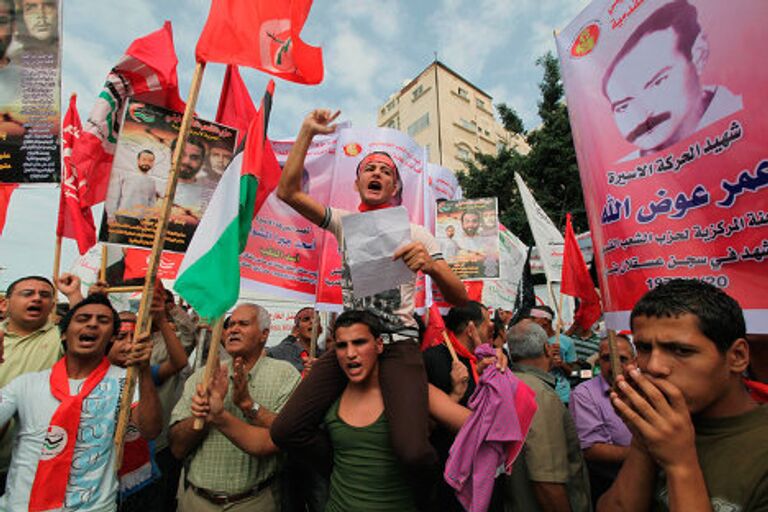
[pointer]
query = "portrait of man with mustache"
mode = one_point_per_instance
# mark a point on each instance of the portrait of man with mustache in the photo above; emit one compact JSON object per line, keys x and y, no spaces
{"x":653,"y":84}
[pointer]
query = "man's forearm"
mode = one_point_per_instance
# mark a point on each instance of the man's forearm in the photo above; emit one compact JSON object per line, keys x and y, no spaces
{"x":449,"y":285}
{"x":183,"y":438}
{"x":290,"y":179}
{"x":552,"y":497}
{"x":606,"y":453}
{"x":249,"y":438}
{"x":149,"y":415}
{"x":633,"y":488}
{"x":687,"y":488}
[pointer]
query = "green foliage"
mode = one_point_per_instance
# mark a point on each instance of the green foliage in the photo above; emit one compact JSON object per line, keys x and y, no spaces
{"x":510,"y":119}
{"x":550,"y":169}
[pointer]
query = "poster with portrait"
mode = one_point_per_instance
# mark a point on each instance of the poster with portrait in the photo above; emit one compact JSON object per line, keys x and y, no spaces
{"x":468,"y":233}
{"x":30,"y":83}
{"x":667,"y":108}
{"x":355,"y":146}
{"x":140,"y":171}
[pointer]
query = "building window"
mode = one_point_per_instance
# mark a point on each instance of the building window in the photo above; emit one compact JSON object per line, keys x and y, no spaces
{"x":463,"y":93}
{"x":428,"y":149}
{"x":383,"y":111}
{"x":467,"y":125}
{"x":419,"y":125}
{"x":500,"y":146}
{"x":392,"y":124}
{"x":390,"y":105}
{"x":480,"y":103}
{"x":417,"y":92}
{"x":463,"y":154}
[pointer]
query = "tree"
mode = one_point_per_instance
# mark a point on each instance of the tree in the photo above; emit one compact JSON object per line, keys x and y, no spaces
{"x":510,"y":119}
{"x":550,"y":169}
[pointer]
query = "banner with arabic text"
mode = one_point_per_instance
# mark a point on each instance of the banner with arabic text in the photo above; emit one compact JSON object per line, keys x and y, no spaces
{"x":668,"y":110}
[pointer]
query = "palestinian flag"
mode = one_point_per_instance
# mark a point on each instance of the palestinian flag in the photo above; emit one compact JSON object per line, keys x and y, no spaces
{"x":209,"y":276}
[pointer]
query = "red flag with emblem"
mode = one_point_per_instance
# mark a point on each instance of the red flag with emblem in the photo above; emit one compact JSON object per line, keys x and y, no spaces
{"x":75,"y":220}
{"x":147,"y":72}
{"x":261,"y":34}
{"x":576,"y":280}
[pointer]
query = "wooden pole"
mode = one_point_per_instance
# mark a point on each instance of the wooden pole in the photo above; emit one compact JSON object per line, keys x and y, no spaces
{"x":313,"y":339}
{"x":124,"y":289}
{"x":211,"y":363}
{"x":103,"y":266}
{"x":56,"y":265}
{"x":559,"y":318}
{"x":616,"y":368}
{"x":452,"y":350}
{"x":144,"y":320}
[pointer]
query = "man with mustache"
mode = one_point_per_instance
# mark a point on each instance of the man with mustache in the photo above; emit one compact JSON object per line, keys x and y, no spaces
{"x":41,"y":23}
{"x":189,"y":198}
{"x":9,"y":71}
{"x":654,"y":83}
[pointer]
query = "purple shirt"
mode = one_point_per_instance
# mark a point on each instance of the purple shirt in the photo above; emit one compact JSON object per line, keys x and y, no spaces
{"x":596,"y":420}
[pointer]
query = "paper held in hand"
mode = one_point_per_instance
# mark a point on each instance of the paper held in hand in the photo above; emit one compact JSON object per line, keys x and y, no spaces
{"x":370,"y":241}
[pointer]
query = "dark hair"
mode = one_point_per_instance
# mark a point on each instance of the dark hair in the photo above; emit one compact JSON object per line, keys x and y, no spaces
{"x":96,"y":298}
{"x":195,"y":141}
{"x":11,"y":4}
{"x":458,"y":317}
{"x":12,"y":286}
{"x":719,"y":316}
{"x":468,"y":212}
{"x":678,"y":15}
{"x":296,"y":316}
{"x":358,"y":316}
{"x":144,"y":152}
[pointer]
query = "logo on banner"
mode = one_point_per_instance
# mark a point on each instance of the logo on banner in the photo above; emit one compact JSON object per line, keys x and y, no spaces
{"x":54,"y":443}
{"x":586,"y":41}
{"x":353,"y":149}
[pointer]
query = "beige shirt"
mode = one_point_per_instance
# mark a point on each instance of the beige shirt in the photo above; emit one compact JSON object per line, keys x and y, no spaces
{"x":217,"y":464}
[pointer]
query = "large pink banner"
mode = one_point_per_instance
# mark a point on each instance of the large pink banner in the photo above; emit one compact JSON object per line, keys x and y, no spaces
{"x":353,"y":145}
{"x":283,"y":251}
{"x":668,"y":106}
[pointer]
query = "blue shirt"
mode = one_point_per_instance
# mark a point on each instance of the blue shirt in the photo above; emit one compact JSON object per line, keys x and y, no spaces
{"x":568,"y":354}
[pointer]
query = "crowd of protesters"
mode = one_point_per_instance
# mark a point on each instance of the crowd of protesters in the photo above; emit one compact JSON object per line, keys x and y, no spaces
{"x":503,"y":412}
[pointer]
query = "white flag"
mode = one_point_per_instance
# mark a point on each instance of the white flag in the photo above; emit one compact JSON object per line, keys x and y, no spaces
{"x":548,"y":238}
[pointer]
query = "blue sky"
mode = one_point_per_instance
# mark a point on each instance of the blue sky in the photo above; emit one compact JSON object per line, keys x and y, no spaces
{"x":370,"y":48}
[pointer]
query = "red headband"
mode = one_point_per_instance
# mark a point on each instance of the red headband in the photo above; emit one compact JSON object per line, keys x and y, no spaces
{"x":378,"y":157}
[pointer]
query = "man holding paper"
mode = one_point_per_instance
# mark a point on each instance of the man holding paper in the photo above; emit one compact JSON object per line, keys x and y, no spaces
{"x":402,"y":377}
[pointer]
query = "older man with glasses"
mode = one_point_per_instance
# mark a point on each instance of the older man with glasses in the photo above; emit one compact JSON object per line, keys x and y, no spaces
{"x":603,"y":435}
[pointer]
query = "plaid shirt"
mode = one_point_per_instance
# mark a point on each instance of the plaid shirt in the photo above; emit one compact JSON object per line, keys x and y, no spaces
{"x":217,"y":464}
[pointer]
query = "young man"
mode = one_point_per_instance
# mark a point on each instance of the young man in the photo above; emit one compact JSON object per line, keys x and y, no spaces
{"x":63,"y":457}
{"x":699,"y":438}
{"x":403,"y":379}
{"x":295,"y":347}
{"x":233,"y":465}
{"x":366,"y":473}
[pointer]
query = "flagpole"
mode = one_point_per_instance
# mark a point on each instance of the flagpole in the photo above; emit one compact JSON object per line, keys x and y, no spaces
{"x":103,"y":265}
{"x":211,"y":363}
{"x":56,"y":265}
{"x":144,"y":320}
{"x":313,"y":339}
{"x":616,"y":368}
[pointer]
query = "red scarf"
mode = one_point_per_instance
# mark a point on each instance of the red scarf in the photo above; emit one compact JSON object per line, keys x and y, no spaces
{"x":462,"y":351}
{"x":362,"y":207}
{"x":50,"y":486}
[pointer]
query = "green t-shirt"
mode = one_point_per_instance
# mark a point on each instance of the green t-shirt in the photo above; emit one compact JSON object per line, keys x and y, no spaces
{"x":733,"y":455}
{"x":366,"y":474}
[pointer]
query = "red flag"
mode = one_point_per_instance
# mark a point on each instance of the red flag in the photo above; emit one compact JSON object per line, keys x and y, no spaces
{"x":261,"y":34}
{"x":236,"y":107}
{"x":577,"y":282}
{"x":434,"y":334}
{"x":147,"y":72}
{"x":137,"y":263}
{"x":259,"y":159}
{"x":75,"y":220}
{"x":6,"y":189}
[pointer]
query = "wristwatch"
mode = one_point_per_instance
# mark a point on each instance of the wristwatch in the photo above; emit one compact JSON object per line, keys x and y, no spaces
{"x":253,"y":412}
